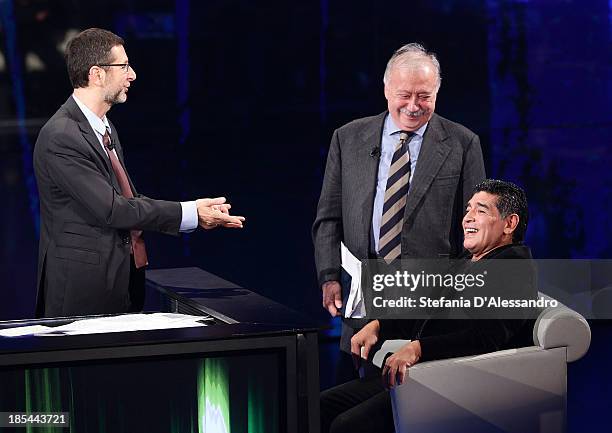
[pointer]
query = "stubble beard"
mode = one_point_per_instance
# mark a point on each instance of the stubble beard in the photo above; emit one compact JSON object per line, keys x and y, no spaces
{"x":119,"y":97}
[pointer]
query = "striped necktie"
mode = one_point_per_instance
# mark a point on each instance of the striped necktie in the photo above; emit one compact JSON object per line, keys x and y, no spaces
{"x":398,"y":181}
{"x":138,"y":245}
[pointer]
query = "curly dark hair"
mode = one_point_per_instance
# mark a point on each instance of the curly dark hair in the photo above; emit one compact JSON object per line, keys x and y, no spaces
{"x":511,"y":199}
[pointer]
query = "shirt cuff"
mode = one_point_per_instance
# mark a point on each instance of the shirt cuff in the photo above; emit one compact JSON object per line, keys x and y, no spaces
{"x":189,"y":219}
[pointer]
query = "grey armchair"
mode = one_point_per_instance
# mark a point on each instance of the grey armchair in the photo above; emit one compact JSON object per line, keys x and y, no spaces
{"x":519,"y":390}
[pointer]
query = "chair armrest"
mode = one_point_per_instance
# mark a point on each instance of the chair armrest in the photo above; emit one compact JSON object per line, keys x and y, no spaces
{"x":563,"y":327}
{"x":513,"y":390}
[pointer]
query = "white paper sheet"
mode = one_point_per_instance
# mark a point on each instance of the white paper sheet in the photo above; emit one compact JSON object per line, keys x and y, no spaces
{"x":122,"y":323}
{"x":24,"y":330}
{"x":354,"y":307}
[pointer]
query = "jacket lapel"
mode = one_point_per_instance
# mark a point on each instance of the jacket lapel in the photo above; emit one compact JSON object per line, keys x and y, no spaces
{"x":367,"y":175}
{"x":90,"y":137}
{"x":434,"y":151}
{"x":119,"y":151}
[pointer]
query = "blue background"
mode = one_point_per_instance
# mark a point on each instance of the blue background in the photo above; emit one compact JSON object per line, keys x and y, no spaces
{"x":240,"y":98}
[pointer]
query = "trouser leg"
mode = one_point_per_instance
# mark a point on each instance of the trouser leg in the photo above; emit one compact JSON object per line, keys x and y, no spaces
{"x":358,"y":406}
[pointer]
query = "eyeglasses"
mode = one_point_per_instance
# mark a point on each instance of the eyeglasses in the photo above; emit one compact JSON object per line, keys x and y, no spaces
{"x":124,"y":66}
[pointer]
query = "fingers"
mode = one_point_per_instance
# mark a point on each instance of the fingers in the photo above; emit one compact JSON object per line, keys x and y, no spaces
{"x":385,"y":376}
{"x":210,"y":202}
{"x":401,"y":373}
{"x":229,"y":220}
{"x":214,"y":212}
{"x":213,"y":201}
{"x":333,"y":311}
{"x":332,"y":299}
{"x":365,"y":350}
{"x":394,"y":372}
{"x":329,"y":305}
{"x":232,"y":226}
{"x":224,"y":208}
{"x":389,"y":372}
{"x":337,"y":299}
{"x":337,"y":296}
{"x":224,"y":219}
{"x":391,"y":376}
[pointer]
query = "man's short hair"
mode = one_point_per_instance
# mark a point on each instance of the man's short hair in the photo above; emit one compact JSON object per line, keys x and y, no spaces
{"x":89,"y":48}
{"x":412,"y":53}
{"x":511,"y":199}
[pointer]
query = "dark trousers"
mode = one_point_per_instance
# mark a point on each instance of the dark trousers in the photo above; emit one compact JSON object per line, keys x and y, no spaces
{"x":358,"y":406}
{"x":344,"y":365}
{"x":345,"y":371}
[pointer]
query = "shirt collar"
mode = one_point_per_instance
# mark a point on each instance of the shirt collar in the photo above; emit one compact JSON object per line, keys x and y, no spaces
{"x":98,"y":125}
{"x":392,"y":128}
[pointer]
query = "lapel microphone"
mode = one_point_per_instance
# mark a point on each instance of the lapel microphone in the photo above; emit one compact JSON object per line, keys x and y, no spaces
{"x":375,"y":152}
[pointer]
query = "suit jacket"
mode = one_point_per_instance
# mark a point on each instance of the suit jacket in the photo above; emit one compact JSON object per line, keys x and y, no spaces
{"x":450,"y":164}
{"x":84,"y":250}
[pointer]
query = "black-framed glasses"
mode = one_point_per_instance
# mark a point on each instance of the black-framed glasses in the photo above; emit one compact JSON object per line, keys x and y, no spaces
{"x":124,"y":66}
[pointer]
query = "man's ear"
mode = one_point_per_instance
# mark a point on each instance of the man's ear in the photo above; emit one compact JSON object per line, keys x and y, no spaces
{"x":510,"y":223}
{"x":96,"y":75}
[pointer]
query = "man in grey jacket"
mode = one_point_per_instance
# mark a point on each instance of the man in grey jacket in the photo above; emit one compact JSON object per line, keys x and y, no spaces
{"x":92,"y":255}
{"x":395,"y":184}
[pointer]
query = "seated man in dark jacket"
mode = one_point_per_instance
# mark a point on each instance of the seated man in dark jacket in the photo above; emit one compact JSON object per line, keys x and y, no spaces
{"x":494,"y":227}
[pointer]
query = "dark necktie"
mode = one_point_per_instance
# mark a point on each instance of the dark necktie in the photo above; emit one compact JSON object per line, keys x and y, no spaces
{"x":138,"y":245}
{"x":398,"y":181}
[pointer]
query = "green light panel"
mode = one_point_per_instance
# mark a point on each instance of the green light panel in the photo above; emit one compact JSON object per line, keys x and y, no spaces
{"x":213,"y":397}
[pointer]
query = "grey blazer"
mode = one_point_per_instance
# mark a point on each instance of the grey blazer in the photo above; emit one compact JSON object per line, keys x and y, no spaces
{"x":450,"y":164}
{"x":84,"y":250}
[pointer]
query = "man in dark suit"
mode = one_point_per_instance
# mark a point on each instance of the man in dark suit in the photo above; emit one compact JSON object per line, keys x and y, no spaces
{"x":395,"y":184}
{"x":91,"y":253}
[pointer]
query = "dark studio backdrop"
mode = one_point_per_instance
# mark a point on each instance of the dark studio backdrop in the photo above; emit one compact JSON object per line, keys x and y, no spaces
{"x":240,"y":98}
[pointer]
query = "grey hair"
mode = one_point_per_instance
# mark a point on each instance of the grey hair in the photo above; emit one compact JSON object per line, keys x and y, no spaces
{"x":411,"y":53}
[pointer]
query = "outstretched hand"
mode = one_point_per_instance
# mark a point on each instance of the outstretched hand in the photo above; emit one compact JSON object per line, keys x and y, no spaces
{"x":214,"y":212}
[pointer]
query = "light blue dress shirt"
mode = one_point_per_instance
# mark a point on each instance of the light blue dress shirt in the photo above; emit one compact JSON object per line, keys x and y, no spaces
{"x":390,"y":138}
{"x":189,"y":214}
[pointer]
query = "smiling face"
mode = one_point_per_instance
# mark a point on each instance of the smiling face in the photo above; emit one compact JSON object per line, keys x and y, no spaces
{"x":117,"y":80}
{"x":484,"y":229}
{"x":411,"y":92}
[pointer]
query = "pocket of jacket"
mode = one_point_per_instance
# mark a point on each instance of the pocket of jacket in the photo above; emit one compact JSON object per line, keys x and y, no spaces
{"x":83,"y":256}
{"x":82,"y":229}
{"x":445,"y":180}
